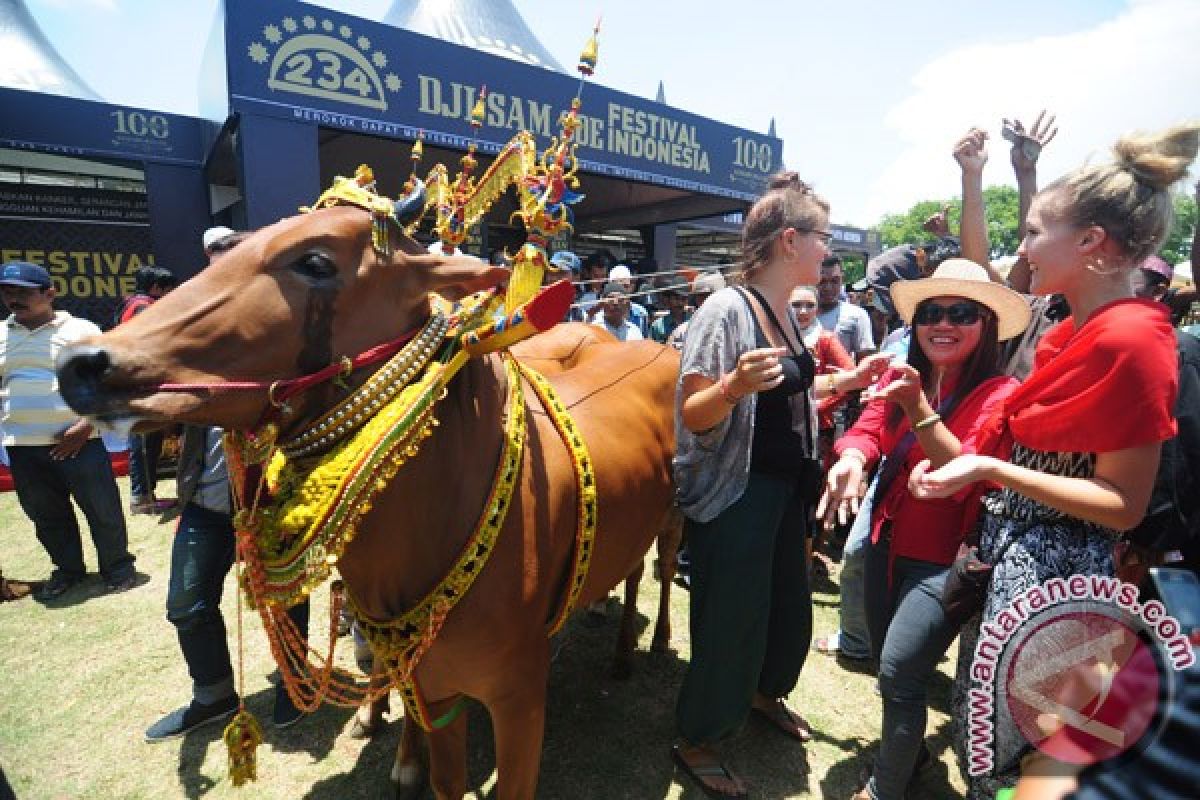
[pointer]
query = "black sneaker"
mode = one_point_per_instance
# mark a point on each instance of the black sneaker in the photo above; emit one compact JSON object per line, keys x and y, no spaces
{"x":190,"y":717}
{"x":57,"y":586}
{"x":285,"y":714}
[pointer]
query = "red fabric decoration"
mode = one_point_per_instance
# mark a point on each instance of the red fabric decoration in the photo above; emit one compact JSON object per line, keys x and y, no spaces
{"x":1110,"y":385}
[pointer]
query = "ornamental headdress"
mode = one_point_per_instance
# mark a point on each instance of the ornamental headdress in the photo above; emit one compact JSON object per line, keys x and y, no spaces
{"x":546,"y":183}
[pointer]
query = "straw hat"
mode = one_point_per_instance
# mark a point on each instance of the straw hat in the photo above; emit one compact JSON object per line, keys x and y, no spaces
{"x":963,"y":278}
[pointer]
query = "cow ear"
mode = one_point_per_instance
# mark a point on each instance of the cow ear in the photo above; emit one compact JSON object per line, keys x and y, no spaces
{"x":455,"y":277}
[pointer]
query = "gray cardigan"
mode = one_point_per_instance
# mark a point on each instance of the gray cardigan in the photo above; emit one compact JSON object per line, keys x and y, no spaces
{"x":712,"y":467}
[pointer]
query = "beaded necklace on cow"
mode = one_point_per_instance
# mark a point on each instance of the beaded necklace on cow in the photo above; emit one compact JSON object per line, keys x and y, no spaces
{"x":295,"y":517}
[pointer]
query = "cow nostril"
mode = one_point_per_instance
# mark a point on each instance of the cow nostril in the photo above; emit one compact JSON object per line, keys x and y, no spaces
{"x":90,"y":364}
{"x":82,"y":370}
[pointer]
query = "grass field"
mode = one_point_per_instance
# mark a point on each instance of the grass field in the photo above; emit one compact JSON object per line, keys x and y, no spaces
{"x":82,"y":677}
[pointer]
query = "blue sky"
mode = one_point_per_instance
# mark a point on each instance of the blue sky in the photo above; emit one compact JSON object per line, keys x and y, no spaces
{"x":867,"y":95}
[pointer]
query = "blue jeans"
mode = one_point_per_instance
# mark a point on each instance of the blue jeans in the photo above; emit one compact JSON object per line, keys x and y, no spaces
{"x":201,"y":557}
{"x":144,"y":452}
{"x":45,"y":488}
{"x":854,"y":640}
{"x":907,"y":620}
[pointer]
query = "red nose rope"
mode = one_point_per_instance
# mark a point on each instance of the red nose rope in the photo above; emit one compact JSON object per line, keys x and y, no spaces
{"x":278,"y":392}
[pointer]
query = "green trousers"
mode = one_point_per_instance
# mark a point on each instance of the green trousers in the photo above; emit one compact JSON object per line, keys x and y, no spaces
{"x":751,"y":608}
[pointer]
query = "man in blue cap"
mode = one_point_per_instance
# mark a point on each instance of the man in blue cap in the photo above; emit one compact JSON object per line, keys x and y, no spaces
{"x":53,"y":453}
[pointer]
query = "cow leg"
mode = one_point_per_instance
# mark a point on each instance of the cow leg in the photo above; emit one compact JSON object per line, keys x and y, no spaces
{"x":368,"y":719}
{"x":627,"y":637}
{"x":412,"y":762}
{"x":519,"y":722}
{"x":447,"y":753}
{"x":668,"y":547}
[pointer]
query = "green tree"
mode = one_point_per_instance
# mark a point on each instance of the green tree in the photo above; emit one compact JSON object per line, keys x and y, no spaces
{"x":1000,"y":212}
{"x":1178,"y":246}
{"x":1000,"y":207}
{"x":897,"y":229}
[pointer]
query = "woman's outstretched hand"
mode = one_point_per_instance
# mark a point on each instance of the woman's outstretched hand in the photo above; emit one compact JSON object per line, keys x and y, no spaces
{"x":866,"y":372}
{"x":843,"y":491}
{"x":946,"y":481}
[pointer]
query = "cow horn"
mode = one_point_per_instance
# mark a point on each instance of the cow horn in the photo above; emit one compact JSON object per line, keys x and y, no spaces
{"x":410,"y":207}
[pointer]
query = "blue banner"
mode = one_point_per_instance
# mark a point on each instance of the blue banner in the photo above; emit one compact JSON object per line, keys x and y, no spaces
{"x":311,"y":64}
{"x":52,"y":124}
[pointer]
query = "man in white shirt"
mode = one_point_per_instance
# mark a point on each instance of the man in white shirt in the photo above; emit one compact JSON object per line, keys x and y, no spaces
{"x":849,"y":322}
{"x":53,"y":453}
{"x":613,"y":315}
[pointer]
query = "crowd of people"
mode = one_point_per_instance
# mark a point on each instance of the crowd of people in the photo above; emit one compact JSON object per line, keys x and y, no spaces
{"x":1031,"y":415}
{"x":1022,"y":413}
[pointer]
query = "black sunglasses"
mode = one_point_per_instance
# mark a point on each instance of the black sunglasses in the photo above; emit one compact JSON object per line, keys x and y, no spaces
{"x":963,"y":313}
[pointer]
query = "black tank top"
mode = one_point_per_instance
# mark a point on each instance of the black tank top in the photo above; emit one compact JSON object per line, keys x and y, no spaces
{"x":776,"y":447}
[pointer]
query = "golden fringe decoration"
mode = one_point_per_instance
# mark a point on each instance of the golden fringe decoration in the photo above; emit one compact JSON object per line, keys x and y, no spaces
{"x":242,"y":736}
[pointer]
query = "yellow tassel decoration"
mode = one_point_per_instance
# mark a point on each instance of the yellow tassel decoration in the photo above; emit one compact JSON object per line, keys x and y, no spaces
{"x":243,"y":735}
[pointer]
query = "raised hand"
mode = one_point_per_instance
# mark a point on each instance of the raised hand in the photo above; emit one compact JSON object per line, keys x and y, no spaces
{"x":938,"y":224}
{"x":1027,"y":145}
{"x":971,"y":150}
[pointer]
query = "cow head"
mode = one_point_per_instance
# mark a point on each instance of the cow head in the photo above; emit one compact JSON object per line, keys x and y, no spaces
{"x":289,"y":300}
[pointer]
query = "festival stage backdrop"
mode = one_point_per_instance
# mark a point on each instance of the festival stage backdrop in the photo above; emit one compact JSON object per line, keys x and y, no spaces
{"x":91,"y":241}
{"x":312,"y":65}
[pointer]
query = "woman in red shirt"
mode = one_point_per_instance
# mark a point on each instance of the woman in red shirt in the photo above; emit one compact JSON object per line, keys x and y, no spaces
{"x":1086,"y":426}
{"x":934,"y":407}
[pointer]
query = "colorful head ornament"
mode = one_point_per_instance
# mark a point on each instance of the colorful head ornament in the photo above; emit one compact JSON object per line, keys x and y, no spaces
{"x":546,"y":185}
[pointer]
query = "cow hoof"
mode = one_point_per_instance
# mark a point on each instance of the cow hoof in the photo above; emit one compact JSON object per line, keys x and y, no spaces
{"x":409,"y":780}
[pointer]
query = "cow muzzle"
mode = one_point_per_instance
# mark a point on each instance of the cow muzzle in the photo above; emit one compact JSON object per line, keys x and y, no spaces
{"x":82,"y":373}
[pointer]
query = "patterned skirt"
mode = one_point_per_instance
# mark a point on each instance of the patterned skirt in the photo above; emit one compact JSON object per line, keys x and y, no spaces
{"x":1045,"y":544}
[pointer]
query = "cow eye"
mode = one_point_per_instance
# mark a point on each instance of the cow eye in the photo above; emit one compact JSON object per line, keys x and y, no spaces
{"x":316,"y":266}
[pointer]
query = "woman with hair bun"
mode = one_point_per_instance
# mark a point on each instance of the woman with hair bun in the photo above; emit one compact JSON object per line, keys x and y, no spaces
{"x":744,"y":429}
{"x":1089,"y":422}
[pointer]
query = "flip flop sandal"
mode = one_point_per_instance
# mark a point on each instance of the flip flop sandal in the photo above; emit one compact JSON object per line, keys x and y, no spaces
{"x":699,"y":773}
{"x":787,"y":722}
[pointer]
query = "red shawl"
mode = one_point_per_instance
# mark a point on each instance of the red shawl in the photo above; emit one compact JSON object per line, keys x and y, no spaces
{"x":1110,"y":385}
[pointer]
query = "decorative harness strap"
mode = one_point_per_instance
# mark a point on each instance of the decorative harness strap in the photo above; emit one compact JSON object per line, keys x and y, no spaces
{"x":585,"y":491}
{"x":402,"y":642}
